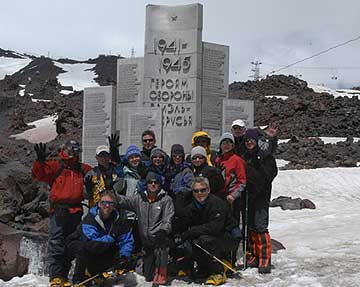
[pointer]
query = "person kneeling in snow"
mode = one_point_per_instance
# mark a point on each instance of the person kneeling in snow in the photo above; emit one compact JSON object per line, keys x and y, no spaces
{"x":102,"y":240}
{"x":155,"y":211}
{"x":207,"y":222}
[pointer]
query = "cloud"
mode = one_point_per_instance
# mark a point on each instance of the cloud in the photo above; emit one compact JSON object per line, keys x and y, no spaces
{"x":276,"y":32}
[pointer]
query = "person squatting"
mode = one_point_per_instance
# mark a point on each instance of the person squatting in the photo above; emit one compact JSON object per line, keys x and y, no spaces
{"x":161,"y":215}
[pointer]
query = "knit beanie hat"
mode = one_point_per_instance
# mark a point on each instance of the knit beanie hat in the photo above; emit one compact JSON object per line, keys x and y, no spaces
{"x":227,"y":135}
{"x":177,"y":149}
{"x":251,"y":134}
{"x":157,"y":151}
{"x":132,"y":150}
{"x":198,"y":150}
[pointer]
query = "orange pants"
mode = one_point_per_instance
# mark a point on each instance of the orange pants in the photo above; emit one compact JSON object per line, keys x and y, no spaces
{"x":260,"y":247}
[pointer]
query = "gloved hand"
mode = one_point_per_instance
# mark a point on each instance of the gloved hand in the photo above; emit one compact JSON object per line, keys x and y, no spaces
{"x":114,"y":145}
{"x":40,"y":150}
{"x":187,"y":235}
{"x":114,"y":141}
{"x":89,"y":185}
{"x":160,"y":236}
{"x":120,"y":262}
{"x":118,"y":229}
{"x":178,"y":240}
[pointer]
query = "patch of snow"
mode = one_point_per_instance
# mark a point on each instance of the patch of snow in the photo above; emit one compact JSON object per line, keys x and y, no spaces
{"x":40,"y":100}
{"x":66,"y":92}
{"x":336,"y":93}
{"x":326,"y":140}
{"x":283,"y":141}
{"x":358,"y":164}
{"x":22,"y":86}
{"x":44,"y":131}
{"x":30,"y":94}
{"x":281,"y":162}
{"x":278,"y":97}
{"x":22,"y":92}
{"x":77,"y":75}
{"x":9,"y":66}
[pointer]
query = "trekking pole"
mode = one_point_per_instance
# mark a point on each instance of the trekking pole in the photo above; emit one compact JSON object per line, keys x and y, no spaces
{"x":246,"y":228}
{"x":93,"y":277}
{"x":223,"y":263}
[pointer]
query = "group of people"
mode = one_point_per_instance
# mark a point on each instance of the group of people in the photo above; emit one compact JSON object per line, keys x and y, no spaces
{"x":177,"y":214}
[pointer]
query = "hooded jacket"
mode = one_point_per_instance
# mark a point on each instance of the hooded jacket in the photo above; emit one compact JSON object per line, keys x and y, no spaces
{"x":67,"y":186}
{"x":96,"y":234}
{"x":211,"y":154}
{"x":152,"y":216}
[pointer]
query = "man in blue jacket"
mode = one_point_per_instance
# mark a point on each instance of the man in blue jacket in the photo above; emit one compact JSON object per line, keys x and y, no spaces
{"x":103,"y":239}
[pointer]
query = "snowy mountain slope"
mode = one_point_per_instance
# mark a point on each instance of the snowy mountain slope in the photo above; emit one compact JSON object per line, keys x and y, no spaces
{"x":9,"y":66}
{"x":336,"y":93}
{"x":322,"y":245}
{"x":79,"y":76}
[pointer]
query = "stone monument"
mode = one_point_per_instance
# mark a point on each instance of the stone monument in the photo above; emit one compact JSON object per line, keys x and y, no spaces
{"x":180,"y":85}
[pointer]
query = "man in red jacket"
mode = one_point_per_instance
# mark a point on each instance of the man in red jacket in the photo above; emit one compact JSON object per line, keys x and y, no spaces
{"x":65,"y":176}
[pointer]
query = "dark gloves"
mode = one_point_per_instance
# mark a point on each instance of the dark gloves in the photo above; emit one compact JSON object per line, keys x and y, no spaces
{"x":40,"y":150}
{"x":187,"y":235}
{"x":114,"y":147}
{"x":120,"y":262}
{"x":160,"y":236}
{"x":118,"y":229}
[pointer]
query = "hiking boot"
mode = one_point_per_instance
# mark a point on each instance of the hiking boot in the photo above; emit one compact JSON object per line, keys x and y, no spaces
{"x":59,"y":282}
{"x":216,"y":279}
{"x":184,"y":273}
{"x":160,"y":277}
{"x":264,"y":269}
{"x":56,"y":282}
{"x":252,"y":262}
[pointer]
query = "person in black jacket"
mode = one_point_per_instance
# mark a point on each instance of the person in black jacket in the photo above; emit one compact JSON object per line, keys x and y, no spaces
{"x":200,"y":167}
{"x":261,"y":169}
{"x":208,"y":222}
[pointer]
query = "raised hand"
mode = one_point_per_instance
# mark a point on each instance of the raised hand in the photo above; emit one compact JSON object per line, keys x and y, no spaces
{"x":40,"y":150}
{"x":272,"y":130}
{"x":114,"y":141}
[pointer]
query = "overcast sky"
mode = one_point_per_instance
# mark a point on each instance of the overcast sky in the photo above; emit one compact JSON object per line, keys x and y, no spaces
{"x":275,"y":32}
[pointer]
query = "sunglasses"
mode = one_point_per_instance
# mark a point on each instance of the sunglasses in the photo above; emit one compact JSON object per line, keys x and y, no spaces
{"x":148,"y":140}
{"x":177,"y":155}
{"x":197,"y":157}
{"x":106,"y":203}
{"x":248,"y":140}
{"x":202,"y":190}
{"x":152,"y":182}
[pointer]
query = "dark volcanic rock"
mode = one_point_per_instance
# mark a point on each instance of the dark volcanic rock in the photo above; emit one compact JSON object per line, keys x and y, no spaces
{"x":304,"y":113}
{"x":18,"y":249}
{"x":11,"y":263}
{"x":22,"y":199}
{"x":313,"y":153}
{"x":286,"y":202}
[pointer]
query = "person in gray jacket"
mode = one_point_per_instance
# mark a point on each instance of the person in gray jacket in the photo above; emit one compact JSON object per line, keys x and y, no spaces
{"x":155,"y":211}
{"x":132,"y":170}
